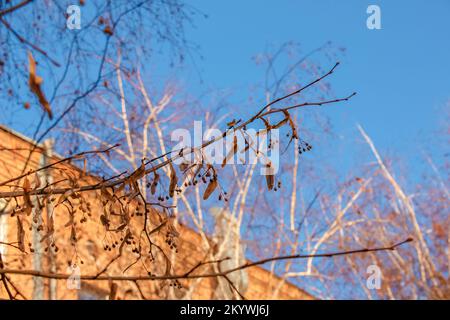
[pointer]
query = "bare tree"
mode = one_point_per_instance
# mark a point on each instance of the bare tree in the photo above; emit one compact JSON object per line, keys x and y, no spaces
{"x":147,"y":189}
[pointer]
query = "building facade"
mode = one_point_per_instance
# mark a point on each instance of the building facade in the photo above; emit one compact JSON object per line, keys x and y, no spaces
{"x":42,"y":239}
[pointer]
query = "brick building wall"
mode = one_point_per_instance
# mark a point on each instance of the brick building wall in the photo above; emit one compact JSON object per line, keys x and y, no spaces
{"x":91,"y":239}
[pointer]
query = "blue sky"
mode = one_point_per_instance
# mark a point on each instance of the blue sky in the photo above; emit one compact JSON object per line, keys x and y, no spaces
{"x":401,"y":72}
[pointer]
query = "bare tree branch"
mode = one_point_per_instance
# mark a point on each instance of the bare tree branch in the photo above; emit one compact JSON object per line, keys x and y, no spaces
{"x":207,"y":275}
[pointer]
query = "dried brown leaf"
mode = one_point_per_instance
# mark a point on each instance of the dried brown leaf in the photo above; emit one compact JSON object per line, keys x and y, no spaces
{"x":34,"y":82}
{"x":73,"y":235}
{"x":270,"y":179}
{"x":26,"y":185}
{"x":232,"y":152}
{"x":37,"y":181}
{"x":210,"y":189}
{"x":106,"y":194}
{"x":20,"y":234}
{"x":173,"y":180}
{"x":154,"y":183}
{"x":104,"y":220}
{"x":64,"y":197}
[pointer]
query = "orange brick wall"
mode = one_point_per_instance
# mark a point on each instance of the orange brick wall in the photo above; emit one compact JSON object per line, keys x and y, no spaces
{"x":14,"y":150}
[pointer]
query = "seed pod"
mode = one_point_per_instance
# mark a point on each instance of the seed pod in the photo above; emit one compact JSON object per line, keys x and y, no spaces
{"x":210,"y":189}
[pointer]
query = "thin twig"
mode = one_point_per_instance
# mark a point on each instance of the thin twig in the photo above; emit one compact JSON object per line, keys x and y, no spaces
{"x":68,"y":159}
{"x":207,"y":275}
